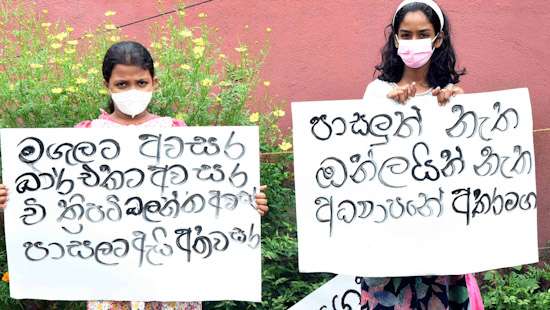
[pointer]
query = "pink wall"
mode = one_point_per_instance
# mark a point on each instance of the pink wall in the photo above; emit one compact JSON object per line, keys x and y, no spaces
{"x":327,"y":49}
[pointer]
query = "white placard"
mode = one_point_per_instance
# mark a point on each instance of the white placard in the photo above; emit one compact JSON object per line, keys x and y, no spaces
{"x":342,"y":292}
{"x":138,"y":214}
{"x":389,"y":190}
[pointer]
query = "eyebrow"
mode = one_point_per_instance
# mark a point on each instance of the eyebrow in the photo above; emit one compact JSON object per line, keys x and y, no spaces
{"x":409,"y":31}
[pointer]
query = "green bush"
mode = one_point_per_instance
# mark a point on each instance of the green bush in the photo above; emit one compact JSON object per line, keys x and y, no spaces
{"x":519,"y":288}
{"x":50,"y":77}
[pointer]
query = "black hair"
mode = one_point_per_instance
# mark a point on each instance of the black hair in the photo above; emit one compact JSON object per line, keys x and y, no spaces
{"x":442,"y":69}
{"x":126,"y":53}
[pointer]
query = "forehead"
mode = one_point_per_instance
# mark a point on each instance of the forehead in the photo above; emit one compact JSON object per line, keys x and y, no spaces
{"x":129,"y":72}
{"x":416,"y":21}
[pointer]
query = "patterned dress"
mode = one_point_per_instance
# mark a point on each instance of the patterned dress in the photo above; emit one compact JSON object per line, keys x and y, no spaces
{"x":430,"y":293}
{"x":105,"y":121}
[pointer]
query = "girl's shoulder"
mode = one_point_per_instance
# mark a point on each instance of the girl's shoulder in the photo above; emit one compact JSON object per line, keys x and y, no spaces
{"x":90,"y":123}
{"x":378,"y":88}
{"x":105,"y":120}
{"x":84,"y":124}
{"x":178,"y":123}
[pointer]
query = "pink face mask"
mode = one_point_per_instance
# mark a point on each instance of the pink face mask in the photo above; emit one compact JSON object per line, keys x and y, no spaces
{"x":416,"y":53}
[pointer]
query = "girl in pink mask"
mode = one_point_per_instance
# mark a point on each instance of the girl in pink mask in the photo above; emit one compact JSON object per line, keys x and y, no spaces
{"x":419,"y":60}
{"x":129,"y":75}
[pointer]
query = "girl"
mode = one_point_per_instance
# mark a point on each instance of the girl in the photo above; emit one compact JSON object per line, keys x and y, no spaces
{"x":419,"y":60}
{"x":129,"y":75}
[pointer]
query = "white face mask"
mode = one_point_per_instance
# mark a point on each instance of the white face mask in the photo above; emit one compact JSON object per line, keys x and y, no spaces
{"x":132,"y":102}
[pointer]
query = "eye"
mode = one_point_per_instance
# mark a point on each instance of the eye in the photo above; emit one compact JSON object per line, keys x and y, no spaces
{"x":142,"y":83}
{"x":405,"y":36}
{"x":120,"y":84}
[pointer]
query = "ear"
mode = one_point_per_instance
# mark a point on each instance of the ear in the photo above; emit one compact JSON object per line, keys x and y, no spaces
{"x":439,"y":41}
{"x":106,"y":84}
{"x":156,"y":83}
{"x":396,"y":41}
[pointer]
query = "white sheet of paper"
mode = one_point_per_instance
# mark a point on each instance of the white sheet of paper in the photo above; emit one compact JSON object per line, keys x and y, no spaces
{"x":342,"y":292}
{"x":75,"y":229}
{"x":375,"y":197}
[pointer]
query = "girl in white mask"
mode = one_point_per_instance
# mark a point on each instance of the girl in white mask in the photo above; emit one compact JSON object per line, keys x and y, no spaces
{"x":419,"y":59}
{"x":129,"y":75}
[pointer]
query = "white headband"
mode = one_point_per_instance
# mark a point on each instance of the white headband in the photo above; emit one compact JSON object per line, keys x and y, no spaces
{"x":429,"y":3}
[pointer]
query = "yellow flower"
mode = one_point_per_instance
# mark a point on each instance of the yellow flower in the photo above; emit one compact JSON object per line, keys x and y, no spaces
{"x":45,"y":11}
{"x":57,"y":90}
{"x":6,"y":277}
{"x":103,"y":92}
{"x":207,"y":82}
{"x":70,"y":29}
{"x":203,"y":15}
{"x":36,"y":66}
{"x":225,"y":83}
{"x":72,"y":42}
{"x":114,"y":38}
{"x":46,"y":25}
{"x":241,"y":49}
{"x":267,"y":83}
{"x":186,"y":33}
{"x":156,"y":45}
{"x":285,"y":146}
{"x":185,"y":67}
{"x":279,"y":113}
{"x":254,"y":117}
{"x":222,"y":56}
{"x":198,"y":51}
{"x":56,"y":46}
{"x":62,"y":35}
{"x":80,"y":80}
{"x":199,"y":42}
{"x":89,"y":35}
{"x":110,"y":27}
{"x":110,"y":13}
{"x":76,"y":66}
{"x":268,"y":29}
{"x":92,"y":71}
{"x":12,"y":86}
{"x":71,"y":89}
{"x":181,"y":12}
{"x":69,"y":50}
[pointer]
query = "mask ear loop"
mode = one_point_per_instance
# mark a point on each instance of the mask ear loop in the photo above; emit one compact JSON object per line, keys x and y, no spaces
{"x":435,"y":39}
